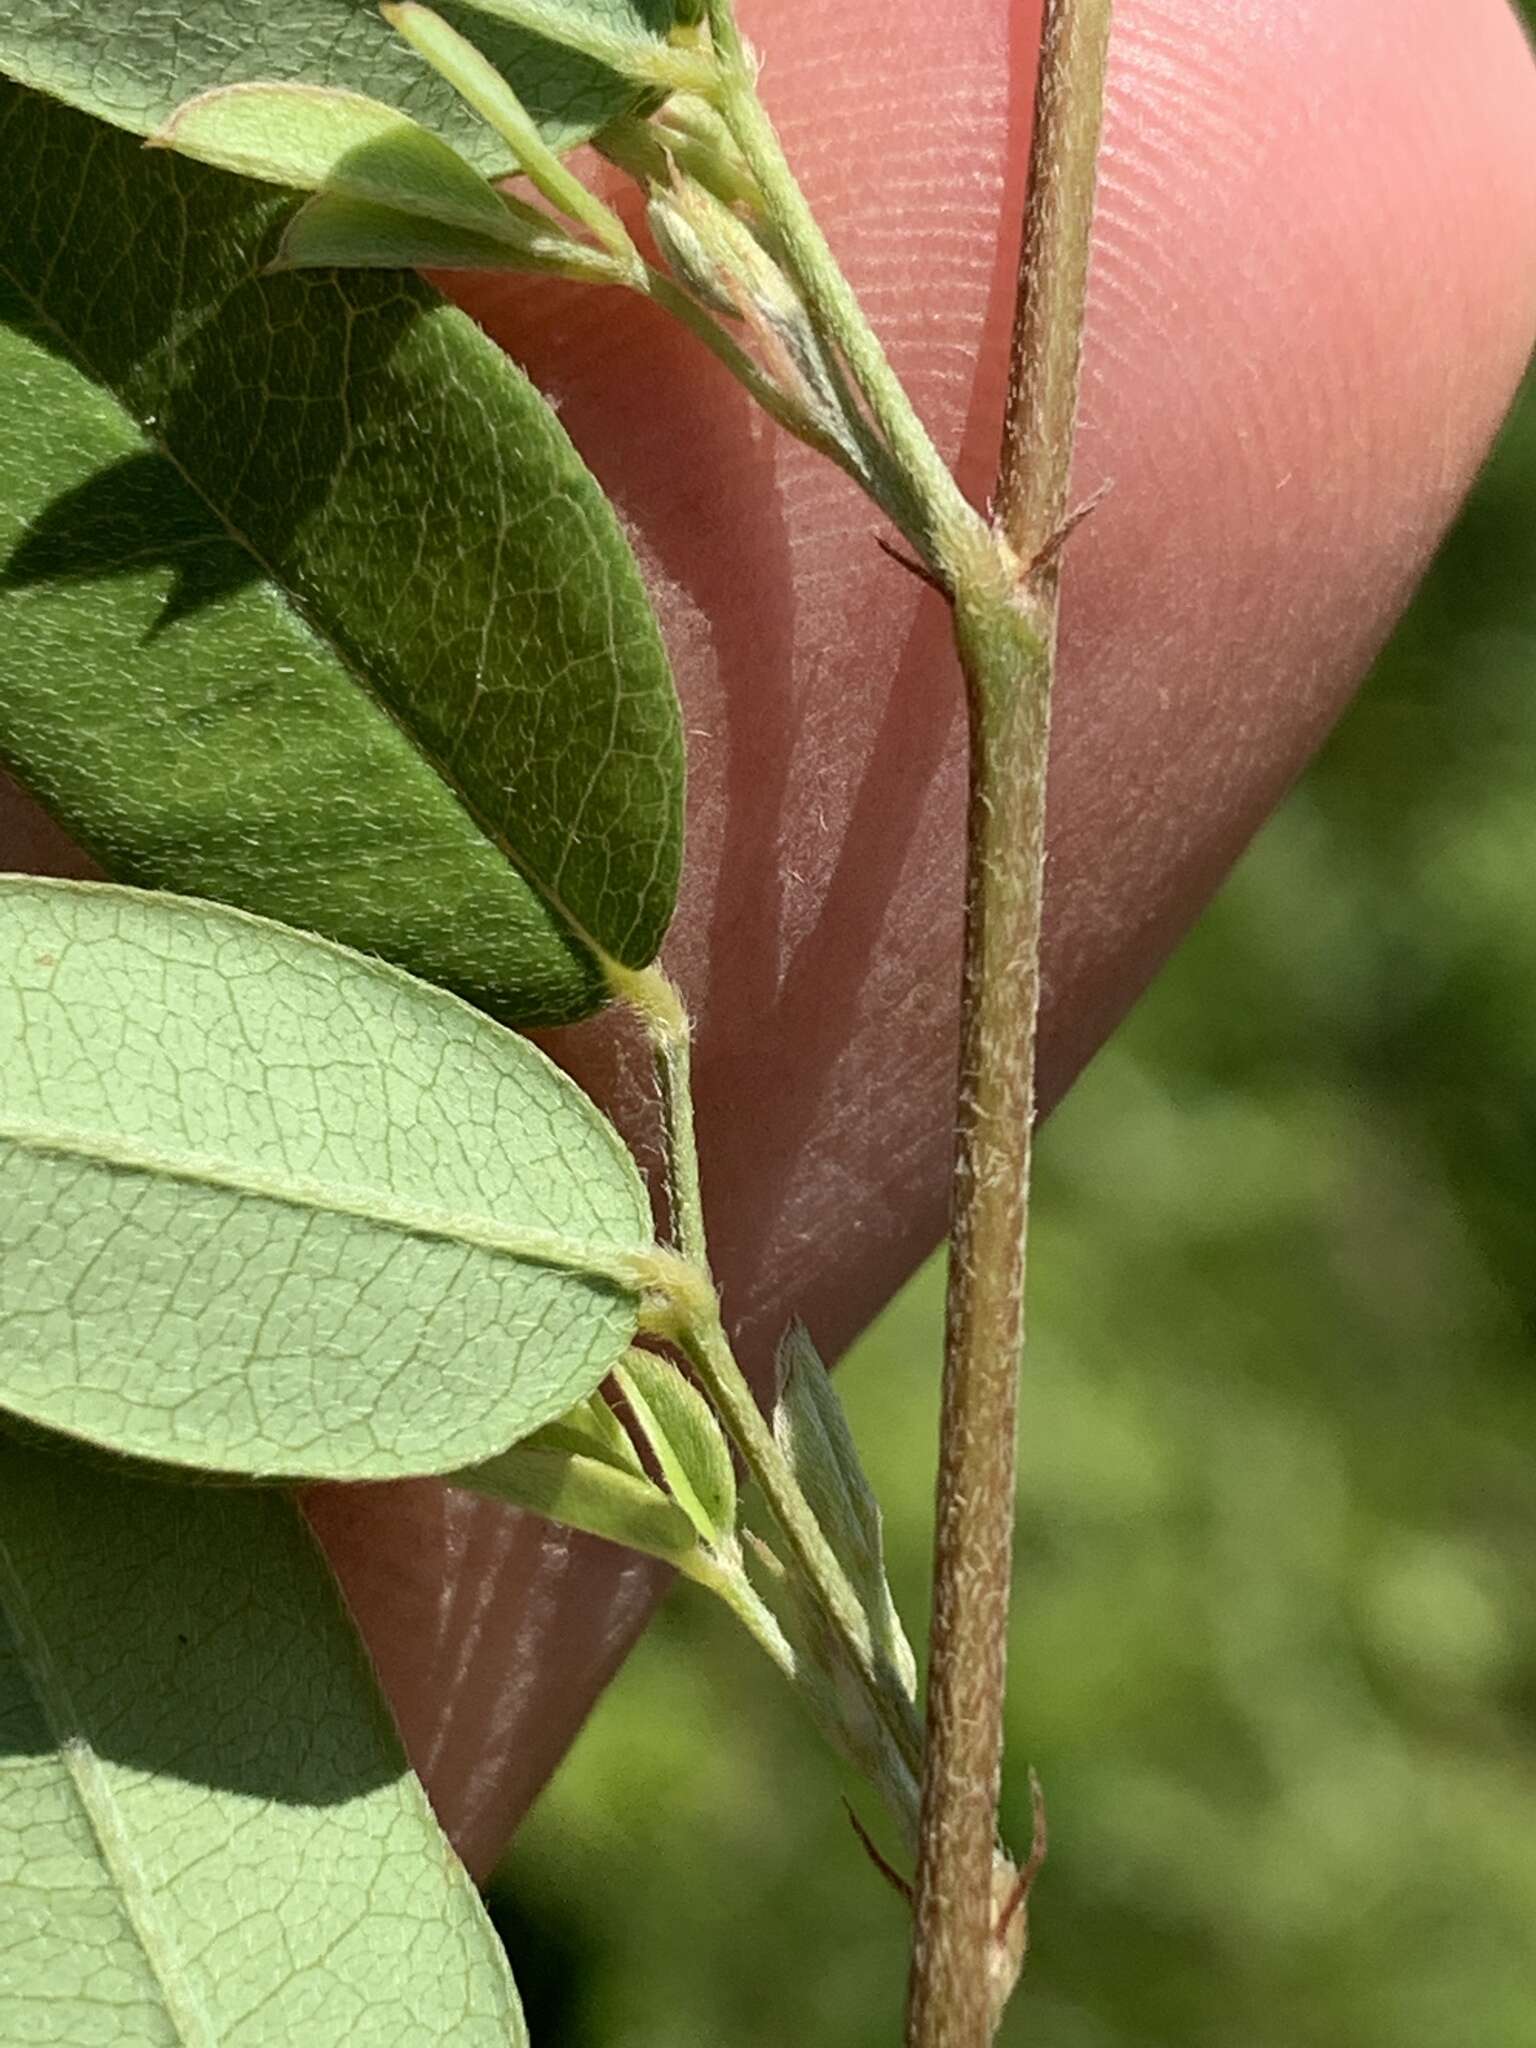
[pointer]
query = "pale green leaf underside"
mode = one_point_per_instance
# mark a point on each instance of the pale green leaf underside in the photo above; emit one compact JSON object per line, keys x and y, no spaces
{"x":208,"y":1833}
{"x":306,"y":602}
{"x":133,"y":63}
{"x":267,"y":1207}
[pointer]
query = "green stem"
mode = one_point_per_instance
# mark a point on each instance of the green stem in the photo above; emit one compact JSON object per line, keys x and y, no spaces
{"x":1006,"y":634}
{"x":952,"y":529}
{"x":645,"y":59}
{"x":661,"y":1011}
{"x":708,"y":1350}
{"x":701,"y":1335}
{"x":778,"y":406}
{"x":481,"y":86}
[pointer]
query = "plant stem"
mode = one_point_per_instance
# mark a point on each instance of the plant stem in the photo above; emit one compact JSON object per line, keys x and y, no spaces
{"x":1034,"y":471}
{"x":778,"y":406}
{"x":646,"y":59}
{"x":952,"y":527}
{"x":701,"y":1335}
{"x":661,"y":1010}
{"x":708,"y":1350}
{"x":1006,"y":637}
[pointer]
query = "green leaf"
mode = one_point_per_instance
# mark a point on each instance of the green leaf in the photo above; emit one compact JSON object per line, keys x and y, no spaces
{"x":591,"y":1430}
{"x":587,"y":1494}
{"x":306,"y":602}
{"x":271,"y":1208}
{"x":133,"y":64}
{"x":813,"y":1433}
{"x":624,"y":47}
{"x":355,"y":234}
{"x":309,"y":135}
{"x":208,"y":1832}
{"x":687,"y":1441}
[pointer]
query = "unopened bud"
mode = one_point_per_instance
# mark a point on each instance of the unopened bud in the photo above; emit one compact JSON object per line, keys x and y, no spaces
{"x":718,"y":255}
{"x":686,"y":253}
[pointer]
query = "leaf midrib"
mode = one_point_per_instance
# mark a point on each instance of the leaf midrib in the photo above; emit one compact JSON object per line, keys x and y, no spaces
{"x":616,"y":1266}
{"x":102,"y":1811}
{"x":543,"y":889}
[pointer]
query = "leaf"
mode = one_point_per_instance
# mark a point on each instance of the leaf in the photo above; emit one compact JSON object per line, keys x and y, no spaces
{"x":308,"y":136}
{"x":208,"y":1831}
{"x":689,"y":1446}
{"x":132,"y":64}
{"x":813,"y":1433}
{"x":587,"y":1494}
{"x":624,"y":47}
{"x":271,"y":1208}
{"x":591,"y":1430}
{"x":328,"y":232}
{"x":306,"y":602}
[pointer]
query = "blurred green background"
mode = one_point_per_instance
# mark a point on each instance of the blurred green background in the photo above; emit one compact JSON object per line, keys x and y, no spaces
{"x":1274,"y":1648}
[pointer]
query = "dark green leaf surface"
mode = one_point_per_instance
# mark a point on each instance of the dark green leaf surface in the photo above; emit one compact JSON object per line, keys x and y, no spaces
{"x":208,"y":1833}
{"x":306,"y":602}
{"x":267,"y":1207}
{"x":133,"y":63}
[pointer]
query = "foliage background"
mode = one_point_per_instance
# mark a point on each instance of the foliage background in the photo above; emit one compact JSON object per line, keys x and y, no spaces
{"x":1274,"y":1653}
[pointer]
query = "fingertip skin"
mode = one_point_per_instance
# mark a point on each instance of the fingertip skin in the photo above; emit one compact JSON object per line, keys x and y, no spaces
{"x":1314,"y":292}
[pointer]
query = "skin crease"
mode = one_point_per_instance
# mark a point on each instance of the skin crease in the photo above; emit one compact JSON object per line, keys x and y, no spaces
{"x":1314,"y":291}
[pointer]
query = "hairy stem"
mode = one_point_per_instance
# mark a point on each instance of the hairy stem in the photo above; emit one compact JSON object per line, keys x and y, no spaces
{"x":668,"y":1028}
{"x":950,"y":526}
{"x":701,"y":1336}
{"x":781,"y":408}
{"x":1034,"y":471}
{"x":647,"y":59}
{"x":871,"y":1749}
{"x":1006,"y":638}
{"x":709,"y":1352}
